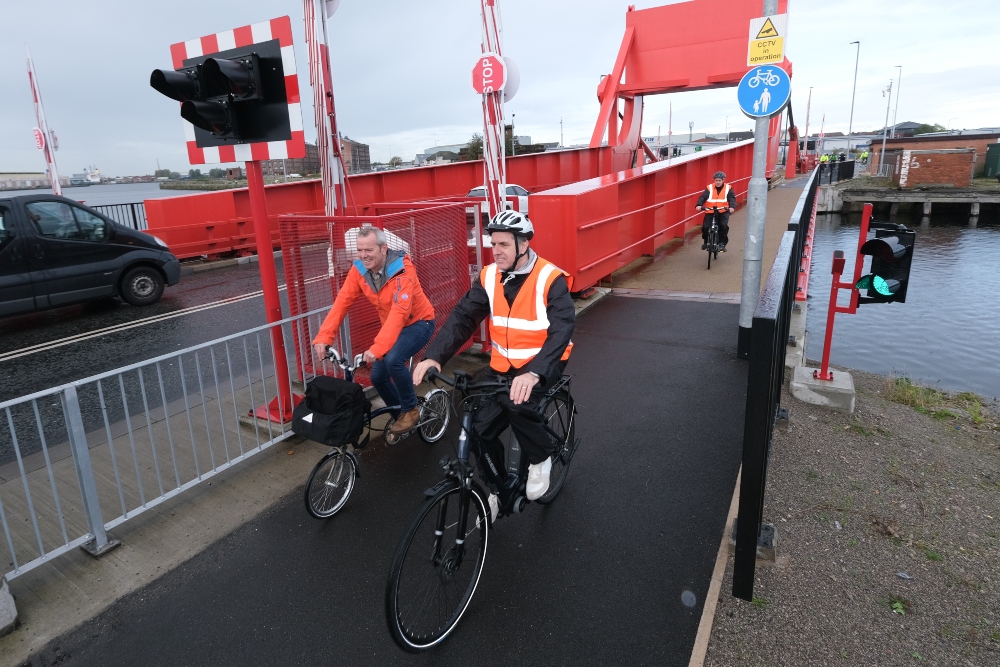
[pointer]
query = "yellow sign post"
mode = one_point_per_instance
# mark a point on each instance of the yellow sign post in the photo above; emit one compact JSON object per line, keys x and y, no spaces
{"x":767,"y":40}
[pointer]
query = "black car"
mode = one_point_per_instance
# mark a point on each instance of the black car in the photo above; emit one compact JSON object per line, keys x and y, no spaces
{"x":54,"y":251}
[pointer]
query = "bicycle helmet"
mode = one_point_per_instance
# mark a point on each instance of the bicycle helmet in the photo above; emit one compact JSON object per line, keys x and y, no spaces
{"x":514,"y":222}
{"x":719,"y":174}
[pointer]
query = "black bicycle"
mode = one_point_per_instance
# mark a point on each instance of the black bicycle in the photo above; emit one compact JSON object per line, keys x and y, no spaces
{"x":440,"y":556}
{"x":332,"y":479}
{"x":713,"y":235}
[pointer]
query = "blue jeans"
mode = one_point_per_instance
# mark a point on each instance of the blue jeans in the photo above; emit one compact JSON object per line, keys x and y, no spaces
{"x":390,"y":376}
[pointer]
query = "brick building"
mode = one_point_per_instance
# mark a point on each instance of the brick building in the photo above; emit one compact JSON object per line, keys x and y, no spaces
{"x":945,"y":167}
{"x":922,"y":142}
{"x":356,"y":157}
{"x":302,"y":166}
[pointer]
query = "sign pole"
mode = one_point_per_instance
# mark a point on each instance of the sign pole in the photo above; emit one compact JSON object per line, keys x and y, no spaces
{"x":756,"y":216}
{"x":280,"y":409}
{"x":43,"y":138}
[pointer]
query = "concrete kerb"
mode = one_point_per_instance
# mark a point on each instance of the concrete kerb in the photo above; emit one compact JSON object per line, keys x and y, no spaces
{"x":192,"y":267}
{"x":8,"y":612}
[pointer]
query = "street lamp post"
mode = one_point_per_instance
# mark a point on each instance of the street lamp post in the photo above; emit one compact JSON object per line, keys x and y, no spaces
{"x":850,"y":124}
{"x":899,"y":81}
{"x":513,"y":139}
{"x":885,"y":130}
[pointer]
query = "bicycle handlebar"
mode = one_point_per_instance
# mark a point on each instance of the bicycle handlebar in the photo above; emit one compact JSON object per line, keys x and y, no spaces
{"x":333,"y":355}
{"x":461,"y":381}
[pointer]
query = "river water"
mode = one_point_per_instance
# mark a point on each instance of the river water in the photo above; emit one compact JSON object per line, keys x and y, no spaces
{"x":111,"y":193}
{"x":947,"y":332}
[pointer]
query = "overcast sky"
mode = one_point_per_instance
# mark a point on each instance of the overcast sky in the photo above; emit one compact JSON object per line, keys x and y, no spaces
{"x":401,"y":71}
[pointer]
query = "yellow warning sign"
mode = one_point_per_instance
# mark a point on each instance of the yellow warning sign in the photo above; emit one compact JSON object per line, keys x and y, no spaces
{"x":767,"y":30}
{"x":766,"y":51}
{"x":766,"y":41}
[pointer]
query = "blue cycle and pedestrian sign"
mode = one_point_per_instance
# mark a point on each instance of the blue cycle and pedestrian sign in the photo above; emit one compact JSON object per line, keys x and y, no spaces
{"x":764,"y":91}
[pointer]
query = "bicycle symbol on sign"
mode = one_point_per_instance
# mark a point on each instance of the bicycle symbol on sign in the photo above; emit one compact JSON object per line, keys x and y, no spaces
{"x":768,"y":78}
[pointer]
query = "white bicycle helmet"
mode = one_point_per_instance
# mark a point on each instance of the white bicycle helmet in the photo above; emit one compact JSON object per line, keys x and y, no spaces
{"x":514,"y":222}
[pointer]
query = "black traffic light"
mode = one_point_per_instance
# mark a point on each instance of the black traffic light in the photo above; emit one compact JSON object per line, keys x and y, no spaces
{"x":231,"y":97}
{"x":892,"y":252}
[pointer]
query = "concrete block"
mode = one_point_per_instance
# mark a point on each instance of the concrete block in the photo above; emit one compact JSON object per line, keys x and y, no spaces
{"x":8,"y":612}
{"x":836,"y":394}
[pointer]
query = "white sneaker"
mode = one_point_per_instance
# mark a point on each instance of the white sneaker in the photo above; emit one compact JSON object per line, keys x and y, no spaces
{"x":494,"y":507}
{"x":538,"y":479}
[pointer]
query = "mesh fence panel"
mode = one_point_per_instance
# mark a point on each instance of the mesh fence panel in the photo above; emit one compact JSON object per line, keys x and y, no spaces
{"x":318,"y":253}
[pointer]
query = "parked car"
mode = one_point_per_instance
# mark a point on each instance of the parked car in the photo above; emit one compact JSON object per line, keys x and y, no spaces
{"x":55,"y":251}
{"x":513,"y":192}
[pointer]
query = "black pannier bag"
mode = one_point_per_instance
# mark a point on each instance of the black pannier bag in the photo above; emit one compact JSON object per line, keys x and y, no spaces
{"x":332,"y":413}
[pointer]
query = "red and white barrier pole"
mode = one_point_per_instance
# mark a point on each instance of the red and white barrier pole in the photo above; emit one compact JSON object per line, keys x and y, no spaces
{"x":280,"y":408}
{"x":835,"y":286}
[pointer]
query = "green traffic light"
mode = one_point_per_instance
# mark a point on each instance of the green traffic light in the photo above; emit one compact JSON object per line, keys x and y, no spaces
{"x":879,"y":284}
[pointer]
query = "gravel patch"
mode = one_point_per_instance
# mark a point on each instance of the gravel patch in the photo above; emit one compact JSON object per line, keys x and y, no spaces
{"x":888,"y":525}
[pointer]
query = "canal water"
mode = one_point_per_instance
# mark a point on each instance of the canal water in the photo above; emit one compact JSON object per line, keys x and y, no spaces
{"x":947,"y":334}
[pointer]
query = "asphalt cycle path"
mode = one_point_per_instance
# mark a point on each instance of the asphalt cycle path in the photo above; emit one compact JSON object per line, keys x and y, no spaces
{"x":614,"y":571}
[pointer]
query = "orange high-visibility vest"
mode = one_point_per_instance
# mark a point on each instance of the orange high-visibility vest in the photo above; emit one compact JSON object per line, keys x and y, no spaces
{"x":518,"y":331}
{"x":717,"y":200}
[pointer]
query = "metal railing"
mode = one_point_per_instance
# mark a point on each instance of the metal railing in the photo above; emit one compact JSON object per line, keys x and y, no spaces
{"x":131,"y":215}
{"x":887,"y":170}
{"x":769,"y":337}
{"x":833,"y":172}
{"x":122,"y":442}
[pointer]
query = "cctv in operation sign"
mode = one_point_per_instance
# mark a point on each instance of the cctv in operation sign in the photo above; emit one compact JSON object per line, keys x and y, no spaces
{"x":767,"y":40}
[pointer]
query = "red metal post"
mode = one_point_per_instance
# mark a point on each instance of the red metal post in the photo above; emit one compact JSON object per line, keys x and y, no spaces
{"x":279,"y":409}
{"x":838,"y":268}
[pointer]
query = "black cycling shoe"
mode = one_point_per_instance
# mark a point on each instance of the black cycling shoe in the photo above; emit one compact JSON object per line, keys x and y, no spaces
{"x":722,"y":248}
{"x":704,"y":246}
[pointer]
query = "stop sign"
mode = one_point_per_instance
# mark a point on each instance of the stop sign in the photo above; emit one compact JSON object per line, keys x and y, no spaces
{"x":489,"y":74}
{"x":39,"y":139}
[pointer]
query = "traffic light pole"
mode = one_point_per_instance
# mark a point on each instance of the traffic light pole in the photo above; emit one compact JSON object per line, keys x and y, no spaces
{"x":280,"y":409}
{"x":838,"y":268}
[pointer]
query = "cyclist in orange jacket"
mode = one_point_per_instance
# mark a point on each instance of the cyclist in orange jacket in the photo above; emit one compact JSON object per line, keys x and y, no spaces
{"x":388,"y":279}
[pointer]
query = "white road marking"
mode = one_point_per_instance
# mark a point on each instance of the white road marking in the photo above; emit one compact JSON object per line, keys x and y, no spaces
{"x":96,"y":333}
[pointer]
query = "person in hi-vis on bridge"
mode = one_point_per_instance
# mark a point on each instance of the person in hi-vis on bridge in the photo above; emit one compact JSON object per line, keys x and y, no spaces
{"x":531,"y":317}
{"x":388,"y":279}
{"x":717,"y":194}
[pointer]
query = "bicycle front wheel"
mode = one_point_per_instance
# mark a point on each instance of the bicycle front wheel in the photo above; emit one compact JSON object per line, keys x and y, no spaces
{"x":560,"y":417}
{"x":436,"y":568}
{"x":330,"y":484}
{"x":434,"y":415}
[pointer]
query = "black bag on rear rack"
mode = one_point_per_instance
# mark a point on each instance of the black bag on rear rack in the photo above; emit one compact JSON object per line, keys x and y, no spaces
{"x":334,"y":412}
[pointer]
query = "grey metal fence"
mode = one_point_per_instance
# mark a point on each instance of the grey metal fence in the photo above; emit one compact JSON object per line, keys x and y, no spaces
{"x":131,"y":215}
{"x":122,"y":442}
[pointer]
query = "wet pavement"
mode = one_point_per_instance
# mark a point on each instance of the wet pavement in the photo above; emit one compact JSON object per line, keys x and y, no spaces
{"x":613,"y":572}
{"x":52,"y":347}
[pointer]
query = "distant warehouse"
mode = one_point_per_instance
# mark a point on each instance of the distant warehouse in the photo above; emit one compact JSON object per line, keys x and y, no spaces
{"x":977,"y":140}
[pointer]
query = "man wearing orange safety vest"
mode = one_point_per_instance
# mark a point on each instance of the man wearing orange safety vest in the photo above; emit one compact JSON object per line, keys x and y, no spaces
{"x":718,"y":194}
{"x":388,"y":280}
{"x":531,"y":317}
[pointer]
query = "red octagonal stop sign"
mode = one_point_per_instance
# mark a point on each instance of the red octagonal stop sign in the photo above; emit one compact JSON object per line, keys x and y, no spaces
{"x":489,"y":74}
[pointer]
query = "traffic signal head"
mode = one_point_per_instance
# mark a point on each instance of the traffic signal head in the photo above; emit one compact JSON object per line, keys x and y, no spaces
{"x":235,"y":96}
{"x":892,"y":252}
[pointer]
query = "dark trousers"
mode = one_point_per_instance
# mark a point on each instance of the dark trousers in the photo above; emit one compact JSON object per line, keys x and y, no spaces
{"x":525,"y":420}
{"x":723,"y":222}
{"x":391,"y":376}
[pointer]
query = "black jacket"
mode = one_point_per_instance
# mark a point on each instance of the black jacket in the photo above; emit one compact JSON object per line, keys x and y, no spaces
{"x":731,"y":198}
{"x":475,"y":307}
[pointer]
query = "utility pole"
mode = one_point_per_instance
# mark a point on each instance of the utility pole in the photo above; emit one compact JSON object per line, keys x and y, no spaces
{"x":805,"y":146}
{"x":885,"y":130}
{"x":899,"y":81}
{"x":513,"y":139}
{"x":850,"y":124}
{"x":561,"y":144}
{"x":753,"y":245}
{"x":690,"y":130}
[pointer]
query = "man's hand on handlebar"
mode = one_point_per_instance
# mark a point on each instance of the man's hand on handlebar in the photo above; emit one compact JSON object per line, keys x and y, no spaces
{"x":698,"y":208}
{"x":320,"y":350}
{"x":420,"y":371}
{"x":369,"y":358}
{"x":520,"y":388}
{"x":732,"y":210}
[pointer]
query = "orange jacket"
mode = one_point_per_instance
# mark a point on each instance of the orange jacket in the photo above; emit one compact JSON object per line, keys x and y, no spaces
{"x":400,"y":302}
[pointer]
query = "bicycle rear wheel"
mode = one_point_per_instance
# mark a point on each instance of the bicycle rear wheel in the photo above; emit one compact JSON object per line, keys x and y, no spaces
{"x":435,"y":569}
{"x":330,"y":484}
{"x":560,"y":416}
{"x":434,"y":415}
